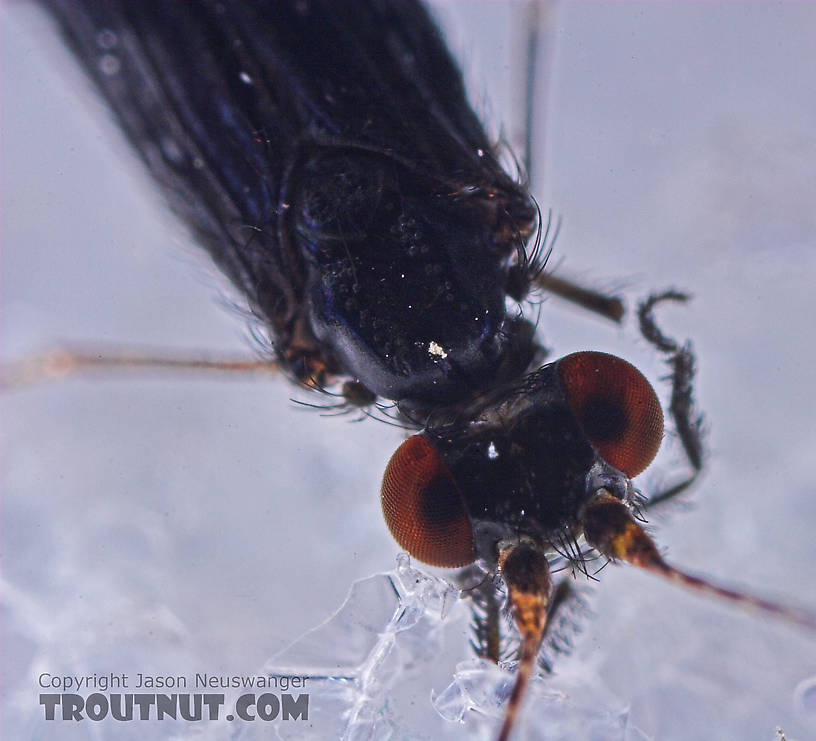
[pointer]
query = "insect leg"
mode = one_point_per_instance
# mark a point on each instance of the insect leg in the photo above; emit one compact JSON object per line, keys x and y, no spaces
{"x":607,"y":306}
{"x":531,"y":272}
{"x":58,"y":364}
{"x":680,"y":358}
{"x":567,"y":599}
{"x":538,"y":24}
{"x":485,"y":609}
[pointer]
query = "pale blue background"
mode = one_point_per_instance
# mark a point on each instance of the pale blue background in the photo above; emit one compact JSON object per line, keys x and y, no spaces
{"x":196,"y":524}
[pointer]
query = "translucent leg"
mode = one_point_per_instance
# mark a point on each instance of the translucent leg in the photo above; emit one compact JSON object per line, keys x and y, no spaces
{"x":538,"y":25}
{"x":59,"y":364}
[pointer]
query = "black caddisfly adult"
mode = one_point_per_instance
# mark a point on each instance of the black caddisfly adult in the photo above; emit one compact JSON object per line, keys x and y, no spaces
{"x":350,"y":193}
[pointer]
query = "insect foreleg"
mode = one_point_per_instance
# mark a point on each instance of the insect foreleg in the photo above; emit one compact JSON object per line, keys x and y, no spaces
{"x":688,"y":422}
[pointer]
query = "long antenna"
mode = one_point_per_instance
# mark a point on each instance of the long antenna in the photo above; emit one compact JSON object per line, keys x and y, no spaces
{"x":526,"y":572}
{"x":611,"y":529}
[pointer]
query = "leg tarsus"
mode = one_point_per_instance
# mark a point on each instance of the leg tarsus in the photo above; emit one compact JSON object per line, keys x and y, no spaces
{"x":689,"y":424}
{"x":681,"y":406}
{"x":648,"y":326}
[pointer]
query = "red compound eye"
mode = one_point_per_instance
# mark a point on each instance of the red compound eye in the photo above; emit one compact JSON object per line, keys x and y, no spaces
{"x":423,"y":508}
{"x":616,"y":407}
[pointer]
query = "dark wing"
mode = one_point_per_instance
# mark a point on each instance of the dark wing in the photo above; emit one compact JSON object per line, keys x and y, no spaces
{"x":228,"y":102}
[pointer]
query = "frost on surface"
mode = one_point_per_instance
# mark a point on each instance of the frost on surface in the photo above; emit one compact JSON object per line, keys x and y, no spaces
{"x":393,"y":662}
{"x":390,"y":625}
{"x":373,"y":667}
{"x":577,"y":708}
